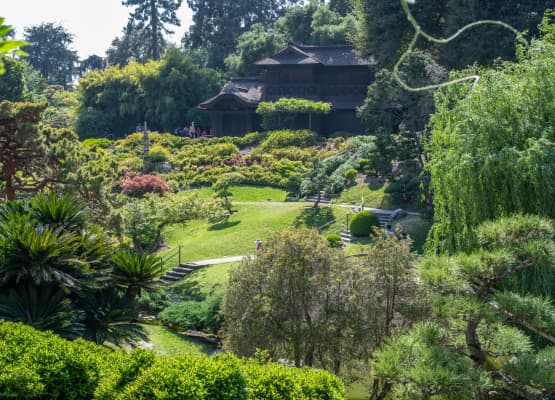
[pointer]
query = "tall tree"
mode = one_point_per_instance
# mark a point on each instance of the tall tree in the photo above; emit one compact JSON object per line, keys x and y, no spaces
{"x":154,"y":16}
{"x":132,"y":45}
{"x":253,"y":45}
{"x":218,"y":23}
{"x":32,"y":158}
{"x":304,"y":301}
{"x":499,"y":160}
{"x":383,"y":30}
{"x":49,"y":52}
{"x":12,"y":82}
{"x":91,"y":63}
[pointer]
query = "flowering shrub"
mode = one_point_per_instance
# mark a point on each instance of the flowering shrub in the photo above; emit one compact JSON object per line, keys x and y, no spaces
{"x":139,"y":185}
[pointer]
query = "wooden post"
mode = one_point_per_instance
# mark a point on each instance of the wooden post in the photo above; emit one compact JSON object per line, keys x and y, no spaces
{"x":309,"y":121}
{"x":179,"y":256}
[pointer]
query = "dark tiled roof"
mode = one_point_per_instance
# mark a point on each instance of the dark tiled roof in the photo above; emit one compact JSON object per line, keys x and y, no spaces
{"x":331,"y":56}
{"x":246,"y":90}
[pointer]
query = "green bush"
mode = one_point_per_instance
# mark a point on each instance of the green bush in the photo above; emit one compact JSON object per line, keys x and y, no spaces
{"x":362,"y":223}
{"x":37,"y":364}
{"x":197,"y":315}
{"x":220,"y":150}
{"x":272,"y":381}
{"x":158,"y":154}
{"x":286,"y":138}
{"x":97,"y":142}
{"x":334,"y":240}
{"x":40,"y":365}
{"x":351,"y":174}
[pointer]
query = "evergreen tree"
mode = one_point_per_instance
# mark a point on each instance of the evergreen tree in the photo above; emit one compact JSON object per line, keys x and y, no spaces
{"x":12,"y":82}
{"x":153,"y":16}
{"x":218,"y":23}
{"x":50,"y":53}
{"x":132,"y":45}
{"x":483,"y":339}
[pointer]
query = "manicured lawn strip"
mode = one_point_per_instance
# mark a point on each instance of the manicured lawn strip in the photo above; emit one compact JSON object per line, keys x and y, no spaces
{"x":244,"y":193}
{"x":234,"y":237}
{"x":167,"y":342}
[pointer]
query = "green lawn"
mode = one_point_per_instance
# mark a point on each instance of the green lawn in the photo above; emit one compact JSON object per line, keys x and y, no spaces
{"x":167,"y":342}
{"x":374,"y":197}
{"x":244,"y":193}
{"x":203,"y":282}
{"x":234,"y":237}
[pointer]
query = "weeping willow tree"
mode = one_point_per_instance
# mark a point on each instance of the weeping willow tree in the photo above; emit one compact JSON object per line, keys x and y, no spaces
{"x":492,"y":150}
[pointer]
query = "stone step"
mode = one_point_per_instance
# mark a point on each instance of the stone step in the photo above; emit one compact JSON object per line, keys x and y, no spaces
{"x":169,"y":279}
{"x":179,"y":272}
{"x":183,"y":269}
{"x":345,"y":236}
{"x":176,"y":274}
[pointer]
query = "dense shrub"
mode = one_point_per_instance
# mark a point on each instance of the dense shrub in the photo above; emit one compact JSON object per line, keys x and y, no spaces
{"x":286,"y":138}
{"x":139,"y":185}
{"x":40,"y":365}
{"x":158,"y":154}
{"x":249,"y":139}
{"x":351,"y":174}
{"x":99,"y":142}
{"x":197,"y":315}
{"x":362,"y":223}
{"x":221,"y":150}
{"x":334,"y":240}
{"x":277,"y":382}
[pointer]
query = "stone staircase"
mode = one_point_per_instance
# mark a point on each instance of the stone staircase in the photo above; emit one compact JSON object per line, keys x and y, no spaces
{"x":179,"y":272}
{"x":383,"y":217}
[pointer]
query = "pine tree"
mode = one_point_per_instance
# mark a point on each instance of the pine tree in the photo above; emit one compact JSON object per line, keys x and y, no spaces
{"x":153,"y":16}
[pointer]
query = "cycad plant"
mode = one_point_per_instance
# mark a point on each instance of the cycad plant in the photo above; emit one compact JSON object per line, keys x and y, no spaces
{"x":109,"y":317}
{"x":59,"y":211}
{"x":134,"y":272}
{"x":42,"y":307}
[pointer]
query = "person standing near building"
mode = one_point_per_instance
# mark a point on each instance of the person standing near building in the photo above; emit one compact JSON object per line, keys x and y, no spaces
{"x":193,"y":130}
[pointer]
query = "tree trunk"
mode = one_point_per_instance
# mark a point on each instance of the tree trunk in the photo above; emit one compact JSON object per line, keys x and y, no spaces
{"x":318,"y":198}
{"x":9,"y":173}
{"x":154,"y":29}
{"x":475,"y":348}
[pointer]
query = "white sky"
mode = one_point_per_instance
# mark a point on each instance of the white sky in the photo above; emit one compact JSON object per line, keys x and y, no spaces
{"x":94,"y":23}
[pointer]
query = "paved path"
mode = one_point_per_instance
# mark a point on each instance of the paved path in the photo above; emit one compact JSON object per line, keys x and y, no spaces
{"x":215,"y":261}
{"x":375,"y":210}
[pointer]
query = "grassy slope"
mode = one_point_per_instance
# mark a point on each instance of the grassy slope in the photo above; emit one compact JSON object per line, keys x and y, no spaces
{"x":236,"y":236}
{"x":170,"y":343}
{"x":204,"y":282}
{"x":374,"y":197}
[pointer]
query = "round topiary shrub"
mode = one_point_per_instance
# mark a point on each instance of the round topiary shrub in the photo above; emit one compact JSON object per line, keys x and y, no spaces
{"x":334,"y":240}
{"x":362,"y":223}
{"x":351,"y":174}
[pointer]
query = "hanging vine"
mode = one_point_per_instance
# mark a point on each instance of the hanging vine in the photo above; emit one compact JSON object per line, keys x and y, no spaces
{"x":420,"y":33}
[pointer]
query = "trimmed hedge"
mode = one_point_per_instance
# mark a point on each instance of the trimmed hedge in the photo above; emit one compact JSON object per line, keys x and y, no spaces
{"x":41,"y":365}
{"x":286,"y":138}
{"x":362,"y":223}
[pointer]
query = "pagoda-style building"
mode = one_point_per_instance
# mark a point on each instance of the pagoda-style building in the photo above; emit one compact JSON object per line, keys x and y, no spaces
{"x":332,"y":74}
